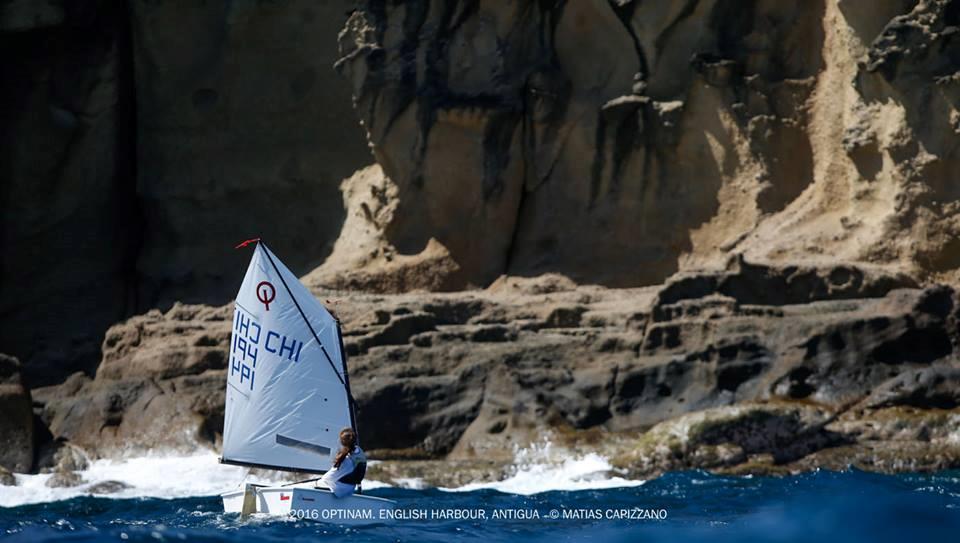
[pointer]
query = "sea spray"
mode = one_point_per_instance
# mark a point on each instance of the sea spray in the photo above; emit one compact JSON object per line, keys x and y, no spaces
{"x":541,"y":467}
{"x":158,"y":475}
{"x":545,"y":467}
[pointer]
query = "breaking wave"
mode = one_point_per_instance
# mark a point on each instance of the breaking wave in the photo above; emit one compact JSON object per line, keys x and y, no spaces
{"x":545,"y":468}
{"x":537,"y":469}
{"x":153,"y":476}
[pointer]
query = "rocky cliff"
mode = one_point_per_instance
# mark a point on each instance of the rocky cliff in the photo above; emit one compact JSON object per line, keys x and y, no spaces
{"x":617,"y":142}
{"x":760,"y":194}
{"x":140,"y":140}
{"x":749,"y":369}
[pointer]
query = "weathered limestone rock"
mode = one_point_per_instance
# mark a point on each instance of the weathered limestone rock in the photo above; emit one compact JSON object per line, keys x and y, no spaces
{"x":64,"y":478}
{"x":763,"y":368}
{"x":7,"y":478}
{"x":107,"y":487}
{"x":364,"y":259}
{"x":619,"y":142}
{"x":68,"y":223}
{"x":140,"y":141}
{"x":61,"y":456}
{"x":162,"y":345}
{"x":16,"y":422}
{"x":794,"y":162}
{"x":728,"y":436}
{"x":160,"y":386}
{"x":243,"y":130}
{"x":937,"y":386}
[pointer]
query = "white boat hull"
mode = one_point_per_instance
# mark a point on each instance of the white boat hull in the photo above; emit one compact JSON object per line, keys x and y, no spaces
{"x":313,"y":504}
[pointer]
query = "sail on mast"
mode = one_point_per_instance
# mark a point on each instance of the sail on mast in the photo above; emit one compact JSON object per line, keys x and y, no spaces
{"x":288,"y":391}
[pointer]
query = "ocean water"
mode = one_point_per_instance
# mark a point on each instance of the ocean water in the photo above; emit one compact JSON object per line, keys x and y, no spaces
{"x":174,"y":498}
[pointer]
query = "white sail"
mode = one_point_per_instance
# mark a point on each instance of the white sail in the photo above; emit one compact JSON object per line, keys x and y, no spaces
{"x":287,"y":387}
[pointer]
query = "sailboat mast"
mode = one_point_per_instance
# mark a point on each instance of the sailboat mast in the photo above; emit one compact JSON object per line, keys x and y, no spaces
{"x":346,"y":382}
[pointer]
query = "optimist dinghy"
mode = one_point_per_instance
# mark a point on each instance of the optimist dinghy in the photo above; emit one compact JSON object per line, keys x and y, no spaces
{"x":288,"y":397}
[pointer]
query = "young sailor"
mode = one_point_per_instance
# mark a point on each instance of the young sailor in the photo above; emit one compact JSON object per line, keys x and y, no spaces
{"x":349,"y":466}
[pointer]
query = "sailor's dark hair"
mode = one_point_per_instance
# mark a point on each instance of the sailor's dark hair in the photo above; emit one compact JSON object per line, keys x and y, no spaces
{"x":348,"y":438}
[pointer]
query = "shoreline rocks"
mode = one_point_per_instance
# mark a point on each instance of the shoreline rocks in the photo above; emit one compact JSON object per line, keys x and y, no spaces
{"x":704,"y":372}
{"x":17,"y":436}
{"x":7,"y":478}
{"x":766,"y":195}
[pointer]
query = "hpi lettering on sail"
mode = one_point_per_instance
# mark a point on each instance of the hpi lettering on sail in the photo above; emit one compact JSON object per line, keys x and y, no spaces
{"x":252,"y":344}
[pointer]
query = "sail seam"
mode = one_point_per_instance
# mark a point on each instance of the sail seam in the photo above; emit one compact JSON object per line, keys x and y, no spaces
{"x":251,"y":313}
{"x":240,"y":392}
{"x":224,"y":460}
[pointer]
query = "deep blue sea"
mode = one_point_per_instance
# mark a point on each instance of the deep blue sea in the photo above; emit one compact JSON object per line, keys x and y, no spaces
{"x":818,"y":507}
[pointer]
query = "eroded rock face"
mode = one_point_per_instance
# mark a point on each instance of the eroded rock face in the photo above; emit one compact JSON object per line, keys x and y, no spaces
{"x":68,"y":224}
{"x":64,"y":478}
{"x":60,"y":455}
{"x":793,"y":161}
{"x":618,"y":142}
{"x":7,"y":478}
{"x":160,"y":387}
{"x":468,"y":376}
{"x":788,"y":437}
{"x":363,"y":257}
{"x":615,"y":143}
{"x":728,"y":436}
{"x":140,"y":141}
{"x":16,"y":423}
{"x":243,"y":130}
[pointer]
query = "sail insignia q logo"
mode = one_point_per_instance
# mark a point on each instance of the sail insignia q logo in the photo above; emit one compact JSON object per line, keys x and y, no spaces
{"x":266,"y":294}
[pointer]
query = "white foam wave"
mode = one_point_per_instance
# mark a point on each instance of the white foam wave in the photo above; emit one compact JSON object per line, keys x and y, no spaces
{"x":545,"y":468}
{"x":412,"y":483}
{"x":153,"y":476}
{"x":160,"y":476}
{"x":541,"y":468}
